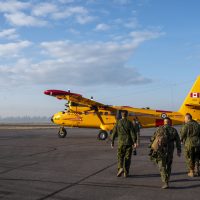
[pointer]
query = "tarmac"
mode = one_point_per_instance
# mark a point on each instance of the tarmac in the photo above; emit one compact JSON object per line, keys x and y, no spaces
{"x":36,"y":164}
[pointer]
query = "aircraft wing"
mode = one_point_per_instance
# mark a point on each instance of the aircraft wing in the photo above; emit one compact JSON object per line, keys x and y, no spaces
{"x":77,"y":98}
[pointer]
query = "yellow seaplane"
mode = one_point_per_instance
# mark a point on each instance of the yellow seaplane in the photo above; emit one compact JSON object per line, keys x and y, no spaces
{"x":86,"y":113}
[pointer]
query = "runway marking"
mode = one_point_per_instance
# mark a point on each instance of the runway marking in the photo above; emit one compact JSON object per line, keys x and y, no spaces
{"x":77,"y":182}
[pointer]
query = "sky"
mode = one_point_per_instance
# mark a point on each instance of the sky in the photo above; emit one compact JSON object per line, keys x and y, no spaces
{"x":141,"y":53}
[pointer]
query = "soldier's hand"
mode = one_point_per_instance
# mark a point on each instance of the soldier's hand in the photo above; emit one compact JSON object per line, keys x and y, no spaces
{"x":135,"y":146}
{"x":112,"y":145}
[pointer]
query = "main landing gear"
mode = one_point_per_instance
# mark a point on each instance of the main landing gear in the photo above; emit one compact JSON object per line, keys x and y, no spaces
{"x":62,"y":132}
{"x":103,"y":135}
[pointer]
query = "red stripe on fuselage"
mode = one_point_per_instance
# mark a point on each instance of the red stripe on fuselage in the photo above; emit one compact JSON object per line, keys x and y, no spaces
{"x":159,"y":122}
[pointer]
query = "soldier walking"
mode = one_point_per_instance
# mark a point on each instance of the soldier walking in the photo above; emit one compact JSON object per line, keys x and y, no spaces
{"x":162,"y":149}
{"x":137,"y":127}
{"x":127,"y":139}
{"x":190,"y":136}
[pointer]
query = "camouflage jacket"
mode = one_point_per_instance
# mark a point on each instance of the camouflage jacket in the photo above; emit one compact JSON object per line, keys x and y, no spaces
{"x":190,"y":134}
{"x":172,"y":137}
{"x":125,"y":131}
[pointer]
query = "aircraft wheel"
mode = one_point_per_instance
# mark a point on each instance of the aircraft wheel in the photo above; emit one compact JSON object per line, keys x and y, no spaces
{"x":62,"y":132}
{"x":102,"y":135}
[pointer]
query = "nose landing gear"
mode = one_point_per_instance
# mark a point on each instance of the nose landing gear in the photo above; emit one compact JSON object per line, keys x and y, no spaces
{"x":62,"y":132}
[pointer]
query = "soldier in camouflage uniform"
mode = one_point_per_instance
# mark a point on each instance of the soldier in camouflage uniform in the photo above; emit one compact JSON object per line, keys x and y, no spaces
{"x":136,"y":125}
{"x":126,"y":142}
{"x":190,"y":136}
{"x":163,"y":155}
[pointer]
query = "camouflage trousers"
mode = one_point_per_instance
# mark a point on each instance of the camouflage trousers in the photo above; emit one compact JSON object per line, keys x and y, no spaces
{"x":165,"y":165}
{"x":197,"y":168}
{"x":124,"y":154}
{"x":192,"y":157}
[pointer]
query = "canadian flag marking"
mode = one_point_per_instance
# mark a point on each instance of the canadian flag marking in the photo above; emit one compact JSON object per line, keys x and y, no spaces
{"x":195,"y":94}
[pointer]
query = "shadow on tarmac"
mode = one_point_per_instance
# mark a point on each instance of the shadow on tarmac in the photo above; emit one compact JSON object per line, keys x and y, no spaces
{"x":154,"y":175}
{"x":185,"y":180}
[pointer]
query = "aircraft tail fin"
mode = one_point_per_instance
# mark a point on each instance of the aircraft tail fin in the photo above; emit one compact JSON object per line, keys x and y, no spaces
{"x":192,"y":101}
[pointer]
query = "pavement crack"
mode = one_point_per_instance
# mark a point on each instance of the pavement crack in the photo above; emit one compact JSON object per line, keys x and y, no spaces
{"x":34,"y":180}
{"x":26,"y":165}
{"x":44,"y":152}
{"x":108,"y":185}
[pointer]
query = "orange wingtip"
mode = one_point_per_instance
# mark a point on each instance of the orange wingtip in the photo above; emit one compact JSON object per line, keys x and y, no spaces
{"x":59,"y":93}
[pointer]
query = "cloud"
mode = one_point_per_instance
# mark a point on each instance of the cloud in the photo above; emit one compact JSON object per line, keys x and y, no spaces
{"x":88,"y":64}
{"x":9,"y":34}
{"x":44,"y":9}
{"x":80,"y":13}
{"x":21,"y":19}
{"x":15,"y":12}
{"x":70,"y":11}
{"x":20,"y":13}
{"x":141,"y":36}
{"x":143,"y":2}
{"x":84,"y":19}
{"x":66,"y":1}
{"x":13,"y":6}
{"x":12,"y":49}
{"x":102,"y":27}
{"x":129,"y":23}
{"x":132,"y":23}
{"x":74,"y":31}
{"x":122,"y":2}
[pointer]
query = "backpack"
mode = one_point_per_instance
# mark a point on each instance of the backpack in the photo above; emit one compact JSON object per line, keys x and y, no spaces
{"x":160,"y":140}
